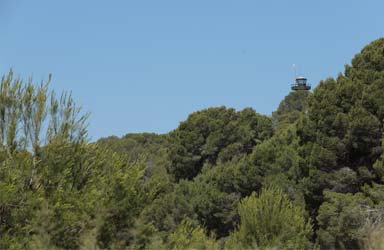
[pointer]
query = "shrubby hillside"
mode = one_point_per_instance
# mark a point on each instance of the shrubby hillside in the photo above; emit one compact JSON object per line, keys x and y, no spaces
{"x":310,"y":176}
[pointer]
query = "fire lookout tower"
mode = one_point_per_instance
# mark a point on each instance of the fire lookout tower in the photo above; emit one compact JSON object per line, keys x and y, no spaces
{"x":300,"y":84}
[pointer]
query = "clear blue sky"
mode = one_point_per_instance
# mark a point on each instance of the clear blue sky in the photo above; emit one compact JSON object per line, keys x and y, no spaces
{"x":145,"y":65}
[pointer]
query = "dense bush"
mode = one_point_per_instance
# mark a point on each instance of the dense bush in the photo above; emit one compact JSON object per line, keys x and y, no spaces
{"x":310,"y":176}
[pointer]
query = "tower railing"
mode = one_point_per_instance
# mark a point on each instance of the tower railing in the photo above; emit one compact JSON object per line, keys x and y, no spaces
{"x":296,"y":86}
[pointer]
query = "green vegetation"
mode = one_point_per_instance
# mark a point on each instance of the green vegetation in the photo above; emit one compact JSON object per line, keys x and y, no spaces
{"x":311,"y":176}
{"x":270,"y":221}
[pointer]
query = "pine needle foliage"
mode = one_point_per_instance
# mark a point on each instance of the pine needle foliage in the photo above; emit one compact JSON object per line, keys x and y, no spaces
{"x":270,"y":220}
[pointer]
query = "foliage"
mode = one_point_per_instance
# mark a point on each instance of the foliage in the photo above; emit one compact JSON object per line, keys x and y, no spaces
{"x":270,"y":220}
{"x":215,"y":134}
{"x":189,"y":236}
{"x":340,"y":219}
{"x":290,"y":109}
{"x":319,"y":160}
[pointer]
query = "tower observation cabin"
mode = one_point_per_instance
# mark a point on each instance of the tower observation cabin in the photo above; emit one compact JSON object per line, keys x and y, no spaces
{"x":300,"y":84}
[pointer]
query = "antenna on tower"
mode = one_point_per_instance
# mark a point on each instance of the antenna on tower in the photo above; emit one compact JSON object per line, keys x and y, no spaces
{"x":294,"y":71}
